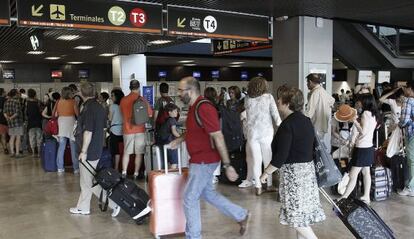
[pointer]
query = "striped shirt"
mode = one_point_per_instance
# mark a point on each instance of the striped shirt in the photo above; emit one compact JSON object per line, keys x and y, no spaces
{"x":407,"y":116}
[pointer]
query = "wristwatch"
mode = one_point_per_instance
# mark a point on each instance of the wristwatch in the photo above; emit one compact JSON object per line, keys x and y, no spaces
{"x":225,"y":166}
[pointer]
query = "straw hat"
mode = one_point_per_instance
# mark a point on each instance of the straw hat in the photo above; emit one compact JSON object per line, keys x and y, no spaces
{"x":345,"y":113}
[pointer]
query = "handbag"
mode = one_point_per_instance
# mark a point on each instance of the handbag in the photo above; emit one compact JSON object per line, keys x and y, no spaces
{"x":394,"y":143}
{"x":327,"y":174}
{"x":52,"y":127}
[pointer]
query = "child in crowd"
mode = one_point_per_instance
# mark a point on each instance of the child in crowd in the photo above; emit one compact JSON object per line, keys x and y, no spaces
{"x":167,"y":132}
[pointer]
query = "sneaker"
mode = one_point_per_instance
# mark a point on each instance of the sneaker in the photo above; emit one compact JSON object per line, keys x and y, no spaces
{"x":245,"y":184}
{"x":406,"y":192}
{"x":116,"y":211}
{"x":61,"y":171}
{"x":215,"y":180}
{"x":76,"y":171}
{"x":244,"y":224}
{"x":75,"y":210}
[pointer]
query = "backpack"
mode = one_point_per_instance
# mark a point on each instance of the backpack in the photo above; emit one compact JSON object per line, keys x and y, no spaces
{"x":163,"y":114}
{"x":231,"y":126}
{"x":162,"y":133}
{"x":140,"y":114}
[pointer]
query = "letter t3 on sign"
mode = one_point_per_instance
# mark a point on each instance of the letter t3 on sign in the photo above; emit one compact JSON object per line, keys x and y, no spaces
{"x":138,"y":17}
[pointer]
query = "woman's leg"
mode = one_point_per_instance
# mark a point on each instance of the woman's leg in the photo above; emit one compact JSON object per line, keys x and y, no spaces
{"x":257,"y":160}
{"x":18,"y":141}
{"x":117,"y":158}
{"x":75,"y":161}
{"x":249,"y":162}
{"x":306,"y":233}
{"x":353,"y":178}
{"x":366,"y":173}
{"x":61,"y":153}
{"x":11,"y":143}
{"x":266,"y":148}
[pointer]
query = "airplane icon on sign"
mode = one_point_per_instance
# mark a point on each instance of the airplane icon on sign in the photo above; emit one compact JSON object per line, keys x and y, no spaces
{"x":57,"y":12}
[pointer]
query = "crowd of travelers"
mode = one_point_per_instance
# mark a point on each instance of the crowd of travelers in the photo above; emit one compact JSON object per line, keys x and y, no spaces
{"x":267,"y":134}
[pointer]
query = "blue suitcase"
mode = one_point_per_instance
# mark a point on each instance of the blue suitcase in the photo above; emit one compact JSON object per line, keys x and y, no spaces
{"x":48,"y":155}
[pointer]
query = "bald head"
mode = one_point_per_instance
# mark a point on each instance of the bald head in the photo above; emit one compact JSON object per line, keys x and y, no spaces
{"x":192,"y":83}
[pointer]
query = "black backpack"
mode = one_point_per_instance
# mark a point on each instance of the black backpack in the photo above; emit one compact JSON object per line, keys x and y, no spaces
{"x":162,"y":133}
{"x":231,"y":126}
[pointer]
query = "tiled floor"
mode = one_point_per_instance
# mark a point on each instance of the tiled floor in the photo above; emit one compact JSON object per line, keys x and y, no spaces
{"x":34,"y":204}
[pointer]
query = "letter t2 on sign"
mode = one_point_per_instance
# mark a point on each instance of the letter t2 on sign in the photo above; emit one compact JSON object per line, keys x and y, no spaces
{"x":138,"y":17}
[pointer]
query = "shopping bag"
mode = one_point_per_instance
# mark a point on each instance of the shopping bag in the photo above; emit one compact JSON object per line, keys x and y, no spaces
{"x":394,"y":144}
{"x":327,"y":173}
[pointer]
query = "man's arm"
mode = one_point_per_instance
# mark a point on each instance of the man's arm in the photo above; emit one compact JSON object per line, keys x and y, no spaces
{"x":220,"y":144}
{"x":87,"y":137}
{"x":405,"y":114}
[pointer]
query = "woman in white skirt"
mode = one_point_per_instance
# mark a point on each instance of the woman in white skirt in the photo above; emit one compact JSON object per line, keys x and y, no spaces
{"x":66,"y":111}
{"x":293,"y":155}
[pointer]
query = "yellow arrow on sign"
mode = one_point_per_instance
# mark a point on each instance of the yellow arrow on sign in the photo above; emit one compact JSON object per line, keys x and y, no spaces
{"x":180,"y":22}
{"x":36,"y":11}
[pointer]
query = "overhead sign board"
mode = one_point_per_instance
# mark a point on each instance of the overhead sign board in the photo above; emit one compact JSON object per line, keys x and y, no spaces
{"x":4,"y":12}
{"x":222,"y":47}
{"x":216,"y":24}
{"x":91,"y":14}
{"x":384,"y":76}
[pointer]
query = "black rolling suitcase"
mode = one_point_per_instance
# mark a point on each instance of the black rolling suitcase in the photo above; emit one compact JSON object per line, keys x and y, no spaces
{"x":399,"y":171}
{"x":124,"y":192}
{"x":360,"y":219}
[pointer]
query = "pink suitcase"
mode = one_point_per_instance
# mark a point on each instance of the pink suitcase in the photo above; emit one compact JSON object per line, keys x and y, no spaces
{"x":166,"y":190}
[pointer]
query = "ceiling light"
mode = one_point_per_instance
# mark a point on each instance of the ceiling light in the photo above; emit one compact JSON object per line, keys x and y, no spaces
{"x":36,"y":52}
{"x":236,"y":62}
{"x":235,"y":66}
{"x":204,"y":41}
{"x":75,"y":62}
{"x":52,"y":58}
{"x":159,"y":42}
{"x":84,"y":47}
{"x":271,"y":66}
{"x":190,"y":64}
{"x":186,"y":61}
{"x":68,"y":37}
{"x":107,"y":54}
{"x":5,"y":62}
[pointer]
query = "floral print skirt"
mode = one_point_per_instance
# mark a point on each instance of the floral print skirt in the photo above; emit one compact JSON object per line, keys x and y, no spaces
{"x":299,"y":195}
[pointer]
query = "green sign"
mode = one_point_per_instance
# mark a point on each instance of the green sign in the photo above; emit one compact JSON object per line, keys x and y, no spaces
{"x":4,"y":13}
{"x":102,"y":15}
{"x":195,"y":22}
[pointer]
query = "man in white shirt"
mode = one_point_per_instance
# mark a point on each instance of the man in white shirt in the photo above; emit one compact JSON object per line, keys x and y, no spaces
{"x":319,"y":108}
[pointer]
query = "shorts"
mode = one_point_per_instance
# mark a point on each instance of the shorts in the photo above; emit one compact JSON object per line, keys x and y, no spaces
{"x":114,"y":141}
{"x":134,"y":143}
{"x":16,"y":131}
{"x":35,"y":137}
{"x":4,"y":129}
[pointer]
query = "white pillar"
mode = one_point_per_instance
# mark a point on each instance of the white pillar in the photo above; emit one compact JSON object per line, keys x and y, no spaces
{"x":126,"y":68}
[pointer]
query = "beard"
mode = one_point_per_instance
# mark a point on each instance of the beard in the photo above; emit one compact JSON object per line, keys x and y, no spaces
{"x":185,"y":98}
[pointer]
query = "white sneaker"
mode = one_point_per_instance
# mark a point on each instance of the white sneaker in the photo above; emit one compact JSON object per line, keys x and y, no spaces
{"x":406,"y":192}
{"x":75,"y":210}
{"x":76,"y":171}
{"x":215,"y":180}
{"x":245,"y":184}
{"x":116,"y":211}
{"x":61,"y":171}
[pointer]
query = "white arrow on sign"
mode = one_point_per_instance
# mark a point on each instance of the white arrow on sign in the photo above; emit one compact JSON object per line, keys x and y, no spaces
{"x":180,"y":22}
{"x":36,"y":11}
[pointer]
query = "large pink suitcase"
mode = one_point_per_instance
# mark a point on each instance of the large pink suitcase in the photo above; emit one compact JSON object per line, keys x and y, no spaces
{"x":166,"y":190}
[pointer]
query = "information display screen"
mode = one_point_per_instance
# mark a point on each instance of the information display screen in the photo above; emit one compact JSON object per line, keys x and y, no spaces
{"x":196,"y":74}
{"x":9,"y":74}
{"x":83,"y":74}
{"x":215,"y":74}
{"x":56,"y":74}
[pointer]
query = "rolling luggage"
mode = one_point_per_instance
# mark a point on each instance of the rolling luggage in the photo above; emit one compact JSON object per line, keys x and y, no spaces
{"x":48,"y":153}
{"x":124,"y":192}
{"x":166,"y":189}
{"x":399,"y":171}
{"x":381,"y":187}
{"x":361,"y":220}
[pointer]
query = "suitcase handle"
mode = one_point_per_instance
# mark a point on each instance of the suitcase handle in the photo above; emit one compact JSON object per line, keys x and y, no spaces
{"x":166,"y":147}
{"x":87,"y":168}
{"x":329,"y":199}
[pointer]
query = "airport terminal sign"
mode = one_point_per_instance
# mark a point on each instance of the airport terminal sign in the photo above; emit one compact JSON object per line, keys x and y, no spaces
{"x":222,"y":47}
{"x":4,"y":13}
{"x":103,"y":15}
{"x":215,"y":24}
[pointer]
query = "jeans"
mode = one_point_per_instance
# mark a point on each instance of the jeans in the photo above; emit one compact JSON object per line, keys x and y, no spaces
{"x":410,"y":164}
{"x":61,"y":153}
{"x":261,"y":153}
{"x":35,"y":138}
{"x":200,"y":185}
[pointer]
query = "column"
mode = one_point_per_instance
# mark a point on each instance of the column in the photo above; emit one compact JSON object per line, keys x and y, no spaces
{"x":127,"y":68}
{"x":302,"y":45}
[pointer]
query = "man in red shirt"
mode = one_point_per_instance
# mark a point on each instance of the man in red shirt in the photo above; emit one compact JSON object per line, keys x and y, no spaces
{"x":206,"y":146}
{"x":134,"y":135}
